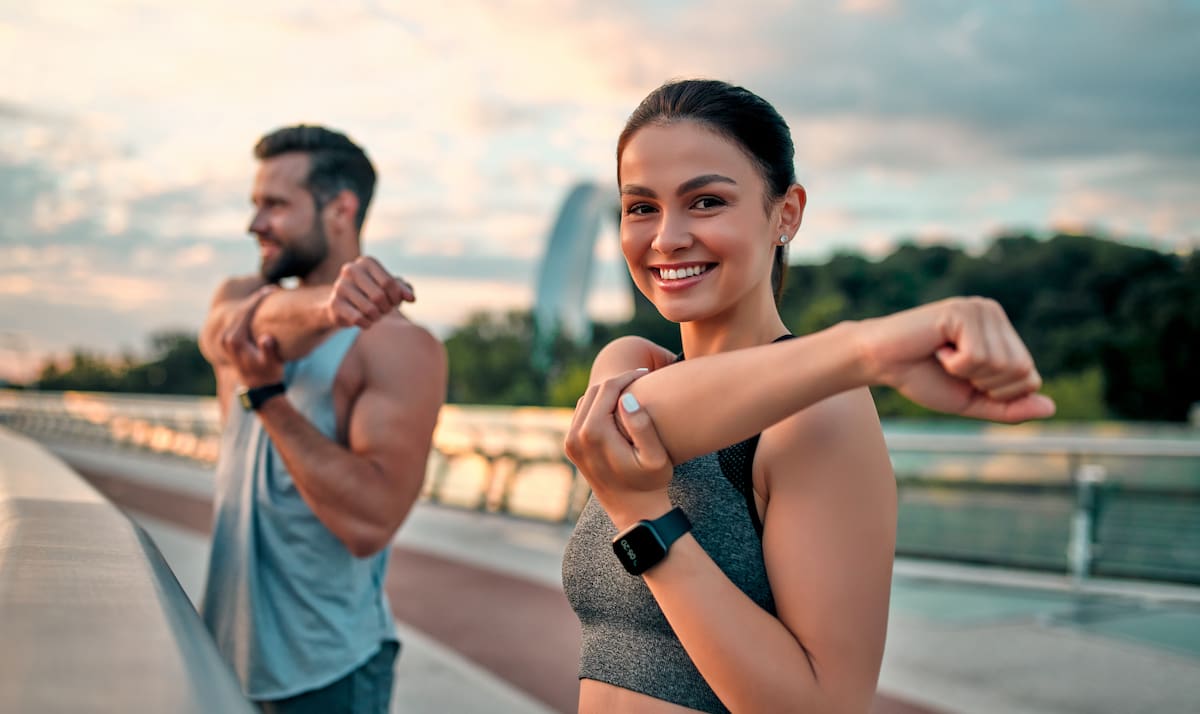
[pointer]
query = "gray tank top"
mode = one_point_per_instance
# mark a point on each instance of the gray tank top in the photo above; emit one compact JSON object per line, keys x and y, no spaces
{"x":627,"y":640}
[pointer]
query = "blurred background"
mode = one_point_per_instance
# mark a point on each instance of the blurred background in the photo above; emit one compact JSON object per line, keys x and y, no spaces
{"x":1045,"y":154}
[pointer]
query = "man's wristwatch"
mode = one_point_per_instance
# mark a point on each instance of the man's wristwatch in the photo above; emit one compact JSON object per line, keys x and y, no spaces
{"x":644,"y":544}
{"x":255,"y":397}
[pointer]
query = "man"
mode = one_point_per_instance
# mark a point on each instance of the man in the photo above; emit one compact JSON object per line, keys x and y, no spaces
{"x":329,"y":398}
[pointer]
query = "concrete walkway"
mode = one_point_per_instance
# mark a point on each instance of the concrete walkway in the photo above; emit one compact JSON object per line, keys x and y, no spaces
{"x":961,"y":639}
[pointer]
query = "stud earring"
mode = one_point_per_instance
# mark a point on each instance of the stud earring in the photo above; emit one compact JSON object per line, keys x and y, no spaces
{"x":783,"y":238}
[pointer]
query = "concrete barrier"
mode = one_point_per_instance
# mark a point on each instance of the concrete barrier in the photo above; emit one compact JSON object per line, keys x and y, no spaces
{"x":92,"y":618}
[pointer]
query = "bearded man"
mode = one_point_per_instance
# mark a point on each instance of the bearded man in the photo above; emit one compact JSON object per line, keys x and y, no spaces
{"x":329,"y":397}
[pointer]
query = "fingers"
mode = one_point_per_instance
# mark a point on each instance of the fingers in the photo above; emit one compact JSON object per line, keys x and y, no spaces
{"x":396,"y":290}
{"x":268,"y":348}
{"x":358,"y":306}
{"x":1024,"y":408}
{"x":982,"y":370}
{"x":987,"y":352}
{"x":593,"y":424}
{"x":238,"y":332}
{"x":599,"y":420}
{"x":648,"y":448}
{"x":364,"y":292}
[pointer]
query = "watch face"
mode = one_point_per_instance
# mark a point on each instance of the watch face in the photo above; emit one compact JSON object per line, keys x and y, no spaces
{"x":639,"y":548}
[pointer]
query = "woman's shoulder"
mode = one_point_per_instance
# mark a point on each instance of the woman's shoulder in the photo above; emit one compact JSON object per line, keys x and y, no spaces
{"x":628,"y":353}
{"x":834,"y":434}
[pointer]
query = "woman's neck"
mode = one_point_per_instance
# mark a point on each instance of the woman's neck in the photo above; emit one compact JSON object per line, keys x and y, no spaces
{"x":737,"y":329}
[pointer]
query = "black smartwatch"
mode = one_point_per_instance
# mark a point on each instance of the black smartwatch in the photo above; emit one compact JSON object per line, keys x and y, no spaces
{"x":644,"y":544}
{"x":255,"y":397}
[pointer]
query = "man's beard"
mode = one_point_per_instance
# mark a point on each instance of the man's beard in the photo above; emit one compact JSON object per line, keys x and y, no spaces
{"x":298,"y":259}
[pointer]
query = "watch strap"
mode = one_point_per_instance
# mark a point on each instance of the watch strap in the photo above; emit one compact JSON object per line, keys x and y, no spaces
{"x":255,"y":397}
{"x":671,"y":526}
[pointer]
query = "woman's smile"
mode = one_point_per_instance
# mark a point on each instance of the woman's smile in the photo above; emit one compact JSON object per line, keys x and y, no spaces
{"x":680,"y":276}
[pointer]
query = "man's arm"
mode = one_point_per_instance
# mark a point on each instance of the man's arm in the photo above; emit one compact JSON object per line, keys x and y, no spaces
{"x":232,"y":295}
{"x":364,"y":491}
{"x":299,"y":319}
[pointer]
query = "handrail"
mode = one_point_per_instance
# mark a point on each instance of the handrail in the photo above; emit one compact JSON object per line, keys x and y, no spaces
{"x":1043,"y":445}
{"x":1099,"y":480}
{"x":199,"y":415}
{"x":91,"y":615}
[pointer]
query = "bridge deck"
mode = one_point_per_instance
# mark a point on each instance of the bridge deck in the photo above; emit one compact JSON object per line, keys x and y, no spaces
{"x":961,"y":639}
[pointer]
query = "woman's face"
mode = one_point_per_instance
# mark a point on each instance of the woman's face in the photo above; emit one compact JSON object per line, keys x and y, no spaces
{"x":693,"y":226}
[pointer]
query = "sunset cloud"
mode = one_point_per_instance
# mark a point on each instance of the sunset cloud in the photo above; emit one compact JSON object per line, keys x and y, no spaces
{"x":125,"y":161}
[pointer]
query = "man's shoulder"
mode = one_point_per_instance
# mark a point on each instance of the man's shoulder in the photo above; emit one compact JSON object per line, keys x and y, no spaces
{"x":396,"y":338}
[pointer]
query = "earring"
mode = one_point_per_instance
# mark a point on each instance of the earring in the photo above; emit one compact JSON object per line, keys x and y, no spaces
{"x":783,"y":239}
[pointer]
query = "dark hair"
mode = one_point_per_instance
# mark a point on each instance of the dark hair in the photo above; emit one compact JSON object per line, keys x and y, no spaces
{"x":737,"y":114}
{"x":337,"y":163}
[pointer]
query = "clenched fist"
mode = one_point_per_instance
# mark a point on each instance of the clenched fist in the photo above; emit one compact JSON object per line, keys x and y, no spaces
{"x":364,"y":292}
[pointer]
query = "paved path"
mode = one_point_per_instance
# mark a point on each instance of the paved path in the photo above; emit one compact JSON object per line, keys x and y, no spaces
{"x":486,"y":626}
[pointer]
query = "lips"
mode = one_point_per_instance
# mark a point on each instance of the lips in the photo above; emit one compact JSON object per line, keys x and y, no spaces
{"x":267,"y":247}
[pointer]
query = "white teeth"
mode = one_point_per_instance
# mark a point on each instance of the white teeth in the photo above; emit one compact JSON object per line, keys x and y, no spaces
{"x":676,"y":274}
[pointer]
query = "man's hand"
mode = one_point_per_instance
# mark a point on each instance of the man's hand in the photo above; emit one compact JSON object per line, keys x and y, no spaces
{"x":256,"y":361}
{"x":364,"y":292}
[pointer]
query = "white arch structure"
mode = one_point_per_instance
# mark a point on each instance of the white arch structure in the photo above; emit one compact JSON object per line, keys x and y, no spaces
{"x":560,"y":306}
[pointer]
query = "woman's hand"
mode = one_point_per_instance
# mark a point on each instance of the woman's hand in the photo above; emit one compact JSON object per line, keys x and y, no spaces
{"x":613,"y":443}
{"x":960,"y":356}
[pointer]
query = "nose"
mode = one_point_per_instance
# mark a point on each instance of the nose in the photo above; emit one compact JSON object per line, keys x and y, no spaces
{"x":258,"y":223}
{"x":673,"y":234}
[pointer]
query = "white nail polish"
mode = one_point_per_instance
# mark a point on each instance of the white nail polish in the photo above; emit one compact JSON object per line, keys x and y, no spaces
{"x":630,"y":403}
{"x":642,"y":369}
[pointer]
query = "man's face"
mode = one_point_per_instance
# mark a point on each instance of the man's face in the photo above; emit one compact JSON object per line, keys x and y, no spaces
{"x":291,"y":239}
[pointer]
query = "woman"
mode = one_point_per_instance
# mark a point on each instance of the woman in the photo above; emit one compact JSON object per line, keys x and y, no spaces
{"x":753,"y":577}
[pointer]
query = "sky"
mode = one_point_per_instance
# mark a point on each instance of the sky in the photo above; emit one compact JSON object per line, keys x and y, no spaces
{"x":126,"y":130}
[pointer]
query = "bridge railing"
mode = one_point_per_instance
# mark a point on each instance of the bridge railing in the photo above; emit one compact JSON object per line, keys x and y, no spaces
{"x":1113,"y":500}
{"x":88,"y":606}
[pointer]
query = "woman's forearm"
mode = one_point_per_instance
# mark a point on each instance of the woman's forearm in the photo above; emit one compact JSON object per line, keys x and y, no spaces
{"x":710,"y":402}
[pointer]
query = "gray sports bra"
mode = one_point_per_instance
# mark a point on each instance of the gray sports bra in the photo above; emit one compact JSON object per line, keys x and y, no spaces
{"x":627,"y":640}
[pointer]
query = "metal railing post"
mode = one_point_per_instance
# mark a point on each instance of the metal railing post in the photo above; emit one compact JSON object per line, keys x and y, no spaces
{"x":1087,"y":478}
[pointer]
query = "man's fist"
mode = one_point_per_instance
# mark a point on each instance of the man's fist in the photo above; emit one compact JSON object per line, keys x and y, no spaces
{"x":364,"y":292}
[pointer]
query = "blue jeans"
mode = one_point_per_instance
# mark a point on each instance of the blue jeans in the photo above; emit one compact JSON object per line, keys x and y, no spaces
{"x":366,"y":690}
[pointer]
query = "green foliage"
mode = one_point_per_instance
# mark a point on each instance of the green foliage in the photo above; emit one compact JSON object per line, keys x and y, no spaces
{"x":569,"y":385}
{"x":1079,"y":396}
{"x":175,"y":367}
{"x":489,"y":361}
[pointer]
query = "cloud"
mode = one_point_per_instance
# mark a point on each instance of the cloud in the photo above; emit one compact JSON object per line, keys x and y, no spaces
{"x":125,"y":158}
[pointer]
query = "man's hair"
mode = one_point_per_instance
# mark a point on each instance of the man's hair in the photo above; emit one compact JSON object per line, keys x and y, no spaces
{"x":337,"y":163}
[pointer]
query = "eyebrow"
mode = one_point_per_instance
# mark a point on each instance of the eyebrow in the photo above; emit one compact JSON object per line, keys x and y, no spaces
{"x":685,"y":187}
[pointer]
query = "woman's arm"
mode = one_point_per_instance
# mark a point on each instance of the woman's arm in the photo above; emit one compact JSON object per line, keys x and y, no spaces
{"x":828,"y":542}
{"x":960,"y":356}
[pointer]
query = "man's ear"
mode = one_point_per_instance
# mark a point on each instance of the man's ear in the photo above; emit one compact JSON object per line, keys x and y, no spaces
{"x":343,"y":209}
